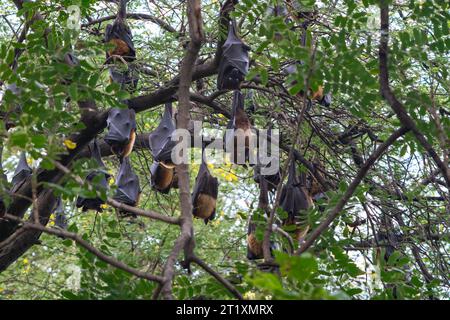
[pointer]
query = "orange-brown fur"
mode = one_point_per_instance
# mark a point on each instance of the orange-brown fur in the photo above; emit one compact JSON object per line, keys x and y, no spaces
{"x":254,"y":245}
{"x":121,"y":48}
{"x":164,"y":176}
{"x":317,"y":95}
{"x":204,"y":206}
{"x":129,"y":147}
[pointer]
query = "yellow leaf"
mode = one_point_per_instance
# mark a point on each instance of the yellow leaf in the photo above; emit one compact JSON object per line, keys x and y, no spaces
{"x":104,"y":206}
{"x":70,"y":144}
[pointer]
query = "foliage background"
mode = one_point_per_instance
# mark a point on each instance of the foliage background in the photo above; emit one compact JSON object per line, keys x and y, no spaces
{"x":347,"y":35}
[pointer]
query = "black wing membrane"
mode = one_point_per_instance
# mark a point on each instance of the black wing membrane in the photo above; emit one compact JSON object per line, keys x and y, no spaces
{"x":294,"y":199}
{"x":204,"y":196}
{"x":234,"y":63}
{"x":128,"y":188}
{"x":22,"y":172}
{"x":160,"y":140}
{"x":121,"y":124}
{"x":98,"y":175}
{"x":161,"y":146}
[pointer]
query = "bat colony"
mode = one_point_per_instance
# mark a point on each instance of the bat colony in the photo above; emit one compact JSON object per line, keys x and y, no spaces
{"x":296,"y":195}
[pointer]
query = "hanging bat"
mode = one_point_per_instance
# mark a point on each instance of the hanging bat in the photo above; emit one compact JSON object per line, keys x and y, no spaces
{"x":128,"y":188}
{"x":60,"y":216}
{"x":22,"y":172}
{"x":95,"y":203}
{"x":160,"y":140}
{"x":161,"y":145}
{"x":234,"y":62}
{"x":121,"y":124}
{"x":272,"y":180}
{"x":119,"y":35}
{"x":241,"y":126}
{"x":205,"y":193}
{"x":254,"y":246}
{"x":163,"y":176}
{"x":294,"y":200}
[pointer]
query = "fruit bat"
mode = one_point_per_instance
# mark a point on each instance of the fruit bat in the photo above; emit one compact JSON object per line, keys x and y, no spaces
{"x":161,"y":145}
{"x":160,"y":140}
{"x":254,"y":246}
{"x":205,"y":193}
{"x":119,"y":35}
{"x":95,"y":203}
{"x":234,"y":63}
{"x":240,"y":121}
{"x":121,"y":124}
{"x":22,"y":171}
{"x":128,"y":188}
{"x":272,"y":180}
{"x":294,"y":199}
{"x":60,"y":216}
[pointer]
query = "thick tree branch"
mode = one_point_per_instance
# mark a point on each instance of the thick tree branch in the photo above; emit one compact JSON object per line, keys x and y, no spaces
{"x":184,"y":104}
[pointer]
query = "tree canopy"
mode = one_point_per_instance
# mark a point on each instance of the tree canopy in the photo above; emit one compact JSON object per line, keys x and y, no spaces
{"x":358,"y":91}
